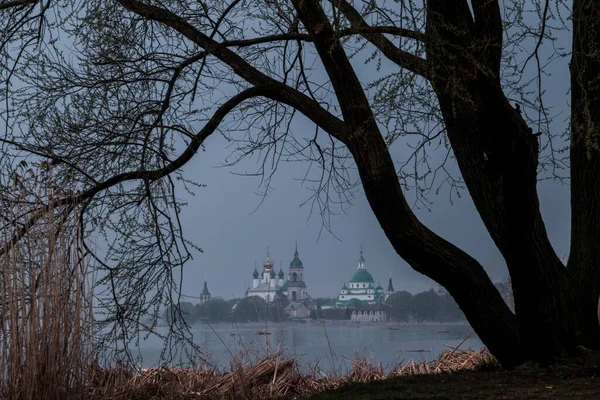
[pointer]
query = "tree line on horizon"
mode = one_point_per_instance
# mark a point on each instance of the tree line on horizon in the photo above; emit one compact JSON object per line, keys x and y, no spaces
{"x":239,"y":310}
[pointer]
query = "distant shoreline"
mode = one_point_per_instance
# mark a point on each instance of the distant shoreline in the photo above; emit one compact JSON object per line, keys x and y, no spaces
{"x":326,"y":322}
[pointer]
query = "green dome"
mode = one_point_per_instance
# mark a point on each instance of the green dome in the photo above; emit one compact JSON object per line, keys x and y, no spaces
{"x":344,"y":287}
{"x":379,"y":288}
{"x":296,"y":263}
{"x":362,"y":275}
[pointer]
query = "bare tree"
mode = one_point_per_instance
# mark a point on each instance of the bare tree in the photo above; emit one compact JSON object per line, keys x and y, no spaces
{"x":142,"y":246}
{"x":133,"y":89}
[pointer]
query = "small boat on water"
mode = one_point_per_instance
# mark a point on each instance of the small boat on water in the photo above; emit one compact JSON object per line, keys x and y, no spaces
{"x":264,"y":333}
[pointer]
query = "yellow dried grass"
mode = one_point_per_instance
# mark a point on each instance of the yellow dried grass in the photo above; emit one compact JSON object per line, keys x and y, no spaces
{"x":274,"y":377}
{"x":46,"y":336}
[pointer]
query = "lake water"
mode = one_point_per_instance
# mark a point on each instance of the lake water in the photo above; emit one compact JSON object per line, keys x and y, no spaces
{"x":325,"y":344}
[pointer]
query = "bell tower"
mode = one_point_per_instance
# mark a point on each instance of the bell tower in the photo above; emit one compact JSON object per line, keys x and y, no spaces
{"x":296,"y":286}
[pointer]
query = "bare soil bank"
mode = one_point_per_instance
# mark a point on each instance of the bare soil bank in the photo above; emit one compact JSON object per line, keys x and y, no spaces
{"x":575,"y":379}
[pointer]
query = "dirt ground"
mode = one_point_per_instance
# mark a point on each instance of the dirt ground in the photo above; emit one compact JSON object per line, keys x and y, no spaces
{"x":573,"y":379}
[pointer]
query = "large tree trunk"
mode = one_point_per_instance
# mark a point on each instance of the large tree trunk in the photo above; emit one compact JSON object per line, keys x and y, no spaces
{"x":498,"y":157}
{"x":460,"y":274}
{"x":501,"y":178}
{"x":584,"y":258}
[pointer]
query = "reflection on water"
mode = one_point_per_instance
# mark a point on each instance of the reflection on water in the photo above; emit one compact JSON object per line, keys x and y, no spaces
{"x":327,"y":344}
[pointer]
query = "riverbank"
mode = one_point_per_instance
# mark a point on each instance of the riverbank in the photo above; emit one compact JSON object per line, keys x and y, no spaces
{"x":273,"y":377}
{"x":456,"y":374}
{"x":574,"y":379}
{"x":474,"y":385}
{"x":318,"y":322}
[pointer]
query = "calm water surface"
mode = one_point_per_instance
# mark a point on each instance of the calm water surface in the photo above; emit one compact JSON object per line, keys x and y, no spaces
{"x":327,"y":345}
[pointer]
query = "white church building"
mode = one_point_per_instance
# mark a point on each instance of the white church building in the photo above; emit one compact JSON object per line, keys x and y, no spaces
{"x":269,"y":285}
{"x":361,"y":289}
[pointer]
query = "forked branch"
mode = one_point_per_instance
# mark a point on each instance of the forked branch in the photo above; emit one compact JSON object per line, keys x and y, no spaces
{"x":403,"y":58}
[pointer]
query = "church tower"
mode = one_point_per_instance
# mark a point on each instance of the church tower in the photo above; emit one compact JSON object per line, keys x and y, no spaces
{"x":255,"y":280}
{"x":268,"y":271}
{"x":390,"y":289}
{"x":296,"y":286}
{"x":280,"y":275}
{"x":205,"y":295}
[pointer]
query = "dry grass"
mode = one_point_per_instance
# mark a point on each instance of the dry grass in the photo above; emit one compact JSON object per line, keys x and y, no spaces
{"x":45,"y":311}
{"x":274,"y":377}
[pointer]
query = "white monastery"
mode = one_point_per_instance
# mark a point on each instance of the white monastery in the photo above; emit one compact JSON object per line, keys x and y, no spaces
{"x":361,"y":290}
{"x":269,"y":285}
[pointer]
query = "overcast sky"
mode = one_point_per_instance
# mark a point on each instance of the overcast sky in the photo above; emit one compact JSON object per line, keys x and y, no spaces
{"x":221,"y":219}
{"x":224,"y":221}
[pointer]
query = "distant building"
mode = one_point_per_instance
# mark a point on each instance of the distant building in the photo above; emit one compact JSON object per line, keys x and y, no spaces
{"x":326,"y":305}
{"x":369,"y":313}
{"x":267,"y":284}
{"x":297,"y":310}
{"x":361,"y":289}
{"x":295,"y":290}
{"x":270,"y":285}
{"x":390,"y":289}
{"x":205,"y":295}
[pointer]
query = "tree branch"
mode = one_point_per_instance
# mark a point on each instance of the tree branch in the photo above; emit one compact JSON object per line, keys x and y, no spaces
{"x":279,"y":91}
{"x":359,"y":30}
{"x":403,"y":58}
{"x":488,"y":25}
{"x":349,"y":92}
{"x":16,"y":3}
{"x":188,"y":153}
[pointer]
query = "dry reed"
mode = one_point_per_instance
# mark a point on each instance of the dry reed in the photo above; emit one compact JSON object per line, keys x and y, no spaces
{"x":45,"y":311}
{"x":273,"y":377}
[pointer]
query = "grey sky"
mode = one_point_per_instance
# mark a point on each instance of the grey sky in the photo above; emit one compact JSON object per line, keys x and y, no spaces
{"x":220,"y":219}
